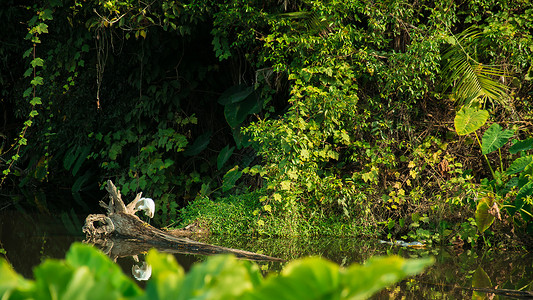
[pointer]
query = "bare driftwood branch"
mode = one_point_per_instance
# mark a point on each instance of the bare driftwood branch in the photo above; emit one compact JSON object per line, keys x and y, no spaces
{"x":121,"y":223}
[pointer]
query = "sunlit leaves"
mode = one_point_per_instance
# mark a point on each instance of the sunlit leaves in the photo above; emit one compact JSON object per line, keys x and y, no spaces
{"x":36,"y":101}
{"x":285,"y":185}
{"x":41,"y":28}
{"x":470,"y":119}
{"x":37,"y":80}
{"x":37,"y":62}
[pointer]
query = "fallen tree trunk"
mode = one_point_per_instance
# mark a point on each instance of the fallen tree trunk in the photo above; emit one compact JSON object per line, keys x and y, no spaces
{"x":122,"y":223}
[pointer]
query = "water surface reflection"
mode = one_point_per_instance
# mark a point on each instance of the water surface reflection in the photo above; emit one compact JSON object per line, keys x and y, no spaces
{"x":28,"y":236}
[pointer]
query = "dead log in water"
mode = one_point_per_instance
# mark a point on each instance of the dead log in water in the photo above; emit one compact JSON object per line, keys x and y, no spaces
{"x":122,"y":223}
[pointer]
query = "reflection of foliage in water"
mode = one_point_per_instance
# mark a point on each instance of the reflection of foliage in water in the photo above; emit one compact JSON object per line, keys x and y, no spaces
{"x":453,"y":271}
{"x":506,"y":270}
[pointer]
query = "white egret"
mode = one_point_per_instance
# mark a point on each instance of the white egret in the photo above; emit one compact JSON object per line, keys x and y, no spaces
{"x":142,"y":272}
{"x":146,"y":204}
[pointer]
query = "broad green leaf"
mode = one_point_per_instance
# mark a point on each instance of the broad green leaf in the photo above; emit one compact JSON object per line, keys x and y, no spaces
{"x":103,"y":269}
{"x":236,"y":112}
{"x":483,"y":218}
{"x":61,"y":280}
{"x":220,"y":277}
{"x":480,"y":280}
{"x":235,"y":94}
{"x":519,"y":164}
{"x":361,"y":281}
{"x":525,"y":212}
{"x":70,"y":157}
{"x":167,"y":276}
{"x":470,"y":119}
{"x":80,"y":181}
{"x":11,"y":282}
{"x":224,"y":155}
{"x":230,"y":178}
{"x":304,"y":154}
{"x":524,"y":191}
{"x":307,"y":278}
{"x":82,"y":153}
{"x":241,"y":139}
{"x":521,"y":146}
{"x":525,"y":175}
{"x":199,"y":144}
{"x":494,"y":138}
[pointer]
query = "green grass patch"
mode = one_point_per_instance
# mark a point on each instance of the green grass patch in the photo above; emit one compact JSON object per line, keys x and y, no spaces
{"x":245,"y":215}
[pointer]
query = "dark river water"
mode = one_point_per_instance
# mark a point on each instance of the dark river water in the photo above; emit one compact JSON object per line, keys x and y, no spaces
{"x":30,"y":235}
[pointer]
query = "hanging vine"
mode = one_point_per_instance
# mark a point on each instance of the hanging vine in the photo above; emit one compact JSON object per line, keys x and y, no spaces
{"x":36,"y":27}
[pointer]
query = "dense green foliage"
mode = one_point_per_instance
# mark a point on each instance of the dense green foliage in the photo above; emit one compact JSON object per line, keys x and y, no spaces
{"x":87,"y":273}
{"x":320,"y":114}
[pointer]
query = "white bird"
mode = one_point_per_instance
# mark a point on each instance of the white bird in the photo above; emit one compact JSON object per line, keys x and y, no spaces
{"x":143,"y":272}
{"x":146,"y":204}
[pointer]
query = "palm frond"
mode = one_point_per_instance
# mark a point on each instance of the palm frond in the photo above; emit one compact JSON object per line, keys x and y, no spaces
{"x":310,"y":20}
{"x":469,"y":79}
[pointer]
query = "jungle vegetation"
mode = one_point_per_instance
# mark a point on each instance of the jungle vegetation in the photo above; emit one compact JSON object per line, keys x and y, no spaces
{"x":392,"y":118}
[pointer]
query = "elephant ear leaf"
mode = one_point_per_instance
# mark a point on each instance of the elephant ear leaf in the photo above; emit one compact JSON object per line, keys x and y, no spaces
{"x":521,"y":146}
{"x":494,"y":138}
{"x":470,"y":119}
{"x":483,"y":215}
